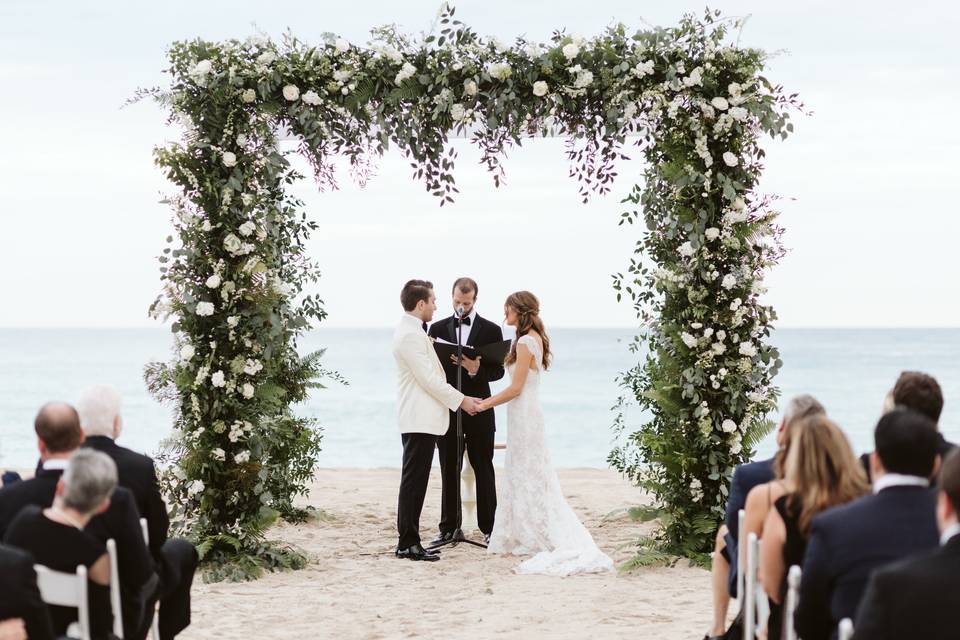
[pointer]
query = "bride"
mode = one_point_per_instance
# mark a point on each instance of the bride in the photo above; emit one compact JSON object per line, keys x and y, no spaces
{"x":532,"y":516}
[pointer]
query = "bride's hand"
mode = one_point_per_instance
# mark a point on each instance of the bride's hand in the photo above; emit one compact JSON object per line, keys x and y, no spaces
{"x":483,"y":405}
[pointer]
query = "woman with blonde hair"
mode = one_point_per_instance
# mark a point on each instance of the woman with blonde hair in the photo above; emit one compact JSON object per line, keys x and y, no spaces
{"x":533,"y":518}
{"x":820,"y":472}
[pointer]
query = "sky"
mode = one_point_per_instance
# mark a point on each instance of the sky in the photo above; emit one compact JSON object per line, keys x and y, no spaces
{"x":869,"y":179}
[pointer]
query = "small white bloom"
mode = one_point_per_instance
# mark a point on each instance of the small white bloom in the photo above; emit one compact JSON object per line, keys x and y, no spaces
{"x":213,"y":281}
{"x":204,"y":308}
{"x":499,"y":70}
{"x":720,"y":103}
{"x":218,"y":379}
{"x":747,"y":349}
{"x":242,"y":457}
{"x":584,"y":79}
{"x":736,"y":447}
{"x":187,"y":352}
{"x":247,"y":228}
{"x":311,"y":98}
{"x":195,"y":488}
{"x":229,"y":159}
{"x":232,"y":243}
{"x":696,"y":325}
{"x":291,"y":92}
{"x":735,"y":304}
{"x":685,"y":250}
{"x":266,"y":58}
{"x":643,"y":69}
{"x":694,"y":79}
{"x":470,"y":88}
{"x":739,"y":113}
{"x":730,"y":159}
{"x":532,"y":50}
{"x":246,"y":199}
{"x":233,"y":321}
{"x":456,"y":66}
{"x":688,"y":340}
{"x":728,"y":282}
{"x":708,"y":332}
{"x":206,"y":226}
{"x":712,"y":233}
{"x":721,"y":335}
{"x":200,"y":72}
{"x":457,"y":112}
{"x":248,"y":95}
{"x":734,"y":89}
{"x":405,"y":73}
{"x":738,"y":204}
{"x":219,"y":454}
{"x":248,"y":390}
{"x":718,"y":348}
{"x":571,"y":51}
{"x":540,"y":88}
{"x":729,"y":426}
{"x":252,"y":367}
{"x":341,"y":45}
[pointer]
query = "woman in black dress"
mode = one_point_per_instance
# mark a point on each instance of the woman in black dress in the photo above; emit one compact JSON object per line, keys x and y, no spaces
{"x":821,"y":471}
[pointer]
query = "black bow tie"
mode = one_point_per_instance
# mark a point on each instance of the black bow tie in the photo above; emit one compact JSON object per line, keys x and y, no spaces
{"x":465,"y":320}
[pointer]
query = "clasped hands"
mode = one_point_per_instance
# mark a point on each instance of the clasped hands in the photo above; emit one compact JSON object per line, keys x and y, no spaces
{"x":473,"y":406}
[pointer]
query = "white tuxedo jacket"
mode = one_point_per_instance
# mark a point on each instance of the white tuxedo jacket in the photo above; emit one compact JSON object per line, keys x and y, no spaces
{"x":423,"y":395}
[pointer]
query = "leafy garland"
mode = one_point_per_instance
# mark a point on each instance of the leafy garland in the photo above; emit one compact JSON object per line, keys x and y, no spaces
{"x":233,"y":277}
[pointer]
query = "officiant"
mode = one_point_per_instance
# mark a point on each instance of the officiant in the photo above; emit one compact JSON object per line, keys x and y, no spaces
{"x":479,"y":429}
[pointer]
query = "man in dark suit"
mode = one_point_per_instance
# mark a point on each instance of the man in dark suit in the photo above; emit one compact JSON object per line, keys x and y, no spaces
{"x":176,"y":558}
{"x":58,"y":436}
{"x":847,"y":543}
{"x":919,"y":597}
{"x":479,"y":429}
{"x":19,"y":596}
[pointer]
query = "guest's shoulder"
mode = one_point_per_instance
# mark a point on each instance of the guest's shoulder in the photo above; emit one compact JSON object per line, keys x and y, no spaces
{"x":759,"y":471}
{"x":12,"y":558}
{"x":844,"y":514}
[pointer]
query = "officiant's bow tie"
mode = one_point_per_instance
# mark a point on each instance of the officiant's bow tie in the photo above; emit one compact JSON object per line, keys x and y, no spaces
{"x":465,"y":321}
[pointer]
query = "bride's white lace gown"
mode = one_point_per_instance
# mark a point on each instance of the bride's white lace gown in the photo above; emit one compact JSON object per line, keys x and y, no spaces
{"x":533,"y":518}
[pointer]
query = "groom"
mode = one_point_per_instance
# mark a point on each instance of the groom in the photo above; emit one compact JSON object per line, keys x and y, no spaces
{"x":478,"y":430}
{"x":424,"y":399}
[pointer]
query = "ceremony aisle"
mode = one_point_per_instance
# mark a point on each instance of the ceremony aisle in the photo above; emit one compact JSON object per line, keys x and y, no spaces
{"x":352,"y":591}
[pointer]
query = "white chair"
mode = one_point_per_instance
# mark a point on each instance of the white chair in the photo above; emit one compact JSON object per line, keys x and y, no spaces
{"x":67,"y":590}
{"x":155,"y":625}
{"x":115,"y":589}
{"x":741,"y":546}
{"x":793,"y":597}
{"x":845,"y":629}
{"x":750,"y":588}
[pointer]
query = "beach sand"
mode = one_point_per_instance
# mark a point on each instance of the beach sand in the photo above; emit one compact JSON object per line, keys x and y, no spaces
{"x":356,"y":588}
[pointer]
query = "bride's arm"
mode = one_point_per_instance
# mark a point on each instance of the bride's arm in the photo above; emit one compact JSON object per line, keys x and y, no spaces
{"x":524,"y":358}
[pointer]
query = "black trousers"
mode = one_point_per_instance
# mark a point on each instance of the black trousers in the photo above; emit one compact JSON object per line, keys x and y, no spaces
{"x":178,"y":563}
{"x":414,"y":477}
{"x":478,"y":441}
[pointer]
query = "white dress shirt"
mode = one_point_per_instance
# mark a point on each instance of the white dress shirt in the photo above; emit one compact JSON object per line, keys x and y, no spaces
{"x":55,"y":464}
{"x":949,"y":532}
{"x":888,"y":480}
{"x":465,"y":330}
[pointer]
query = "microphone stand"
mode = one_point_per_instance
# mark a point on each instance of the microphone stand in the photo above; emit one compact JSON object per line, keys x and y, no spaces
{"x":458,"y":536}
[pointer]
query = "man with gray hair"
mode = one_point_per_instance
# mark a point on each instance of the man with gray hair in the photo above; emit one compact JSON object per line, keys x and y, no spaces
{"x":745,"y":477}
{"x":99,"y":409}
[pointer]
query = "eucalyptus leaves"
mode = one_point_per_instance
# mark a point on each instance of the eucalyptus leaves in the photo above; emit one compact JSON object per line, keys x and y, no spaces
{"x":233,"y":276}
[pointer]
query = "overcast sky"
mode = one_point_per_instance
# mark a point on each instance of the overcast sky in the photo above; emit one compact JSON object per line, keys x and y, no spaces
{"x":872,"y":217}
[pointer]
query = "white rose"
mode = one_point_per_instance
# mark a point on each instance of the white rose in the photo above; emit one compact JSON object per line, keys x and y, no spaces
{"x":730,"y":159}
{"x":643,"y":69}
{"x":311,"y":98}
{"x":247,"y":228}
{"x":685,"y":250}
{"x":405,"y":72}
{"x":734,"y":89}
{"x":688,"y":340}
{"x":252,"y":367}
{"x":229,"y":159}
{"x":718,"y":348}
{"x":584,"y":79}
{"x":739,"y":114}
{"x":291,"y":92}
{"x":694,"y":79}
{"x":735,"y":304}
{"x":696,"y":325}
{"x":712,"y":233}
{"x":194,"y":488}
{"x":736,"y":447}
{"x":248,"y":95}
{"x":248,"y":390}
{"x":218,"y":379}
{"x":232,"y":243}
{"x":720,"y":103}
{"x":201,"y":70}
{"x":708,"y":332}
{"x":729,"y":426}
{"x":532,"y":50}
{"x":341,"y":45}
{"x":470,"y":88}
{"x":500,"y":70}
{"x":540,"y":88}
{"x":738,"y":204}
{"x":187,"y":352}
{"x":204,"y":308}
{"x":267,"y":58}
{"x":206,"y":226}
{"x":233,"y":321}
{"x":728,"y":282}
{"x":213,"y":281}
{"x":457,"y":112}
{"x":747,"y":349}
{"x":571,"y":51}
{"x":219,"y":454}
{"x":242,"y":457}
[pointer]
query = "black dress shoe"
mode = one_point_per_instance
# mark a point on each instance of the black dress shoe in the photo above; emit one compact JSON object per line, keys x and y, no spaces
{"x":417,"y":552}
{"x":443,"y":537}
{"x":486,"y":539}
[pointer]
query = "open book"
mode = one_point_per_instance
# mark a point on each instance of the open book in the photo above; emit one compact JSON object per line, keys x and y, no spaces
{"x":494,"y":353}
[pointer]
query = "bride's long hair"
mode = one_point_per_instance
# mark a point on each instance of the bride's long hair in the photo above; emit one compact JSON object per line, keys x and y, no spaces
{"x":527,"y":308}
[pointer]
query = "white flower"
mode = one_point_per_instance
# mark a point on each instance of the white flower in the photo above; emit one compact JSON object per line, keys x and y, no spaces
{"x":246,"y":199}
{"x":630,"y":110}
{"x":470,"y":87}
{"x":206,"y":226}
{"x":194,"y":488}
{"x":405,"y":73}
{"x":213,"y":281}
{"x":532,"y":50}
{"x":571,"y":51}
{"x":584,"y":79}
{"x":242,"y":457}
{"x":688,"y":340}
{"x":729,"y":426}
{"x":232,"y":243}
{"x":734,"y":89}
{"x":685,"y":250}
{"x":219,"y":454}
{"x":291,"y":92}
{"x":204,"y":308}
{"x":736,"y":447}
{"x":730,"y":159}
{"x":311,"y":98}
{"x":739,"y":113}
{"x":266,"y":58}
{"x":341,"y":45}
{"x":252,"y":367}
{"x":218,"y":379}
{"x":187,"y":352}
{"x":200,"y":72}
{"x":499,"y":70}
{"x":540,"y":88}
{"x":248,"y":95}
{"x":229,"y":159}
{"x":718,"y":348}
{"x":247,"y":390}
{"x":747,"y":349}
{"x":735,"y":304}
{"x":233,"y":321}
{"x":247,"y":228}
{"x":457,"y":112}
{"x":643,"y":69}
{"x":694,"y":79}
{"x":342,"y":75}
{"x":720,"y":103}
{"x":696,"y":325}
{"x":712,"y":233}
{"x":728,"y":282}
{"x":708,"y":332}
{"x":738,"y":204}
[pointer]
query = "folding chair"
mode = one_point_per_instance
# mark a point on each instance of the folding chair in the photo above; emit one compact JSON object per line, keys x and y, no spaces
{"x":66,"y":590}
{"x":115,"y":589}
{"x":845,"y":629}
{"x":793,"y":598}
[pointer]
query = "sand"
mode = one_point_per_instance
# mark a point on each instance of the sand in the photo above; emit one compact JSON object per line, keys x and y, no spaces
{"x":356,"y":588}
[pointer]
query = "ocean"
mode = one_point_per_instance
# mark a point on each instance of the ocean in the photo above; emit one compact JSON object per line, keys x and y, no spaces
{"x":849,"y":370}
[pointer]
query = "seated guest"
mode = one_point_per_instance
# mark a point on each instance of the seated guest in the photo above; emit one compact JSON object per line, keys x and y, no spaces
{"x":745,"y":478}
{"x":20,"y":603}
{"x":919,"y":597}
{"x":821,"y":472}
{"x":9,"y":477}
{"x":59,"y":435}
{"x":56,"y":539}
{"x":99,"y":409}
{"x":919,"y":392}
{"x":847,"y":543}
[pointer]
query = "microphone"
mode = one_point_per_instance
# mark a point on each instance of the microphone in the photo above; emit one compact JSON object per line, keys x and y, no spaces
{"x":459,"y":312}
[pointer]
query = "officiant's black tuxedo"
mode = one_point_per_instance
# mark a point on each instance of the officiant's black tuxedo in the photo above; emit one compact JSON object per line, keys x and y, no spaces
{"x":478,"y":430}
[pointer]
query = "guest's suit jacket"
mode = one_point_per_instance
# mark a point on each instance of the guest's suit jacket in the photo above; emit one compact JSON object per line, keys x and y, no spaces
{"x":120,"y":522}
{"x":915,"y":598}
{"x":847,"y":543}
{"x":480,"y":332}
{"x":19,"y":595}
{"x":424,"y":398}
{"x":745,"y":477}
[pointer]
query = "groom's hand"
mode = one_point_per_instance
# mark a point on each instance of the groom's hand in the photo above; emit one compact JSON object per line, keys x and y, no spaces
{"x":469,"y":405}
{"x":472,"y":366}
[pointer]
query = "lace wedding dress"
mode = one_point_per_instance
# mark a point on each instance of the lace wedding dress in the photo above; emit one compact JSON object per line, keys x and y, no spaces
{"x":533,"y":517}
